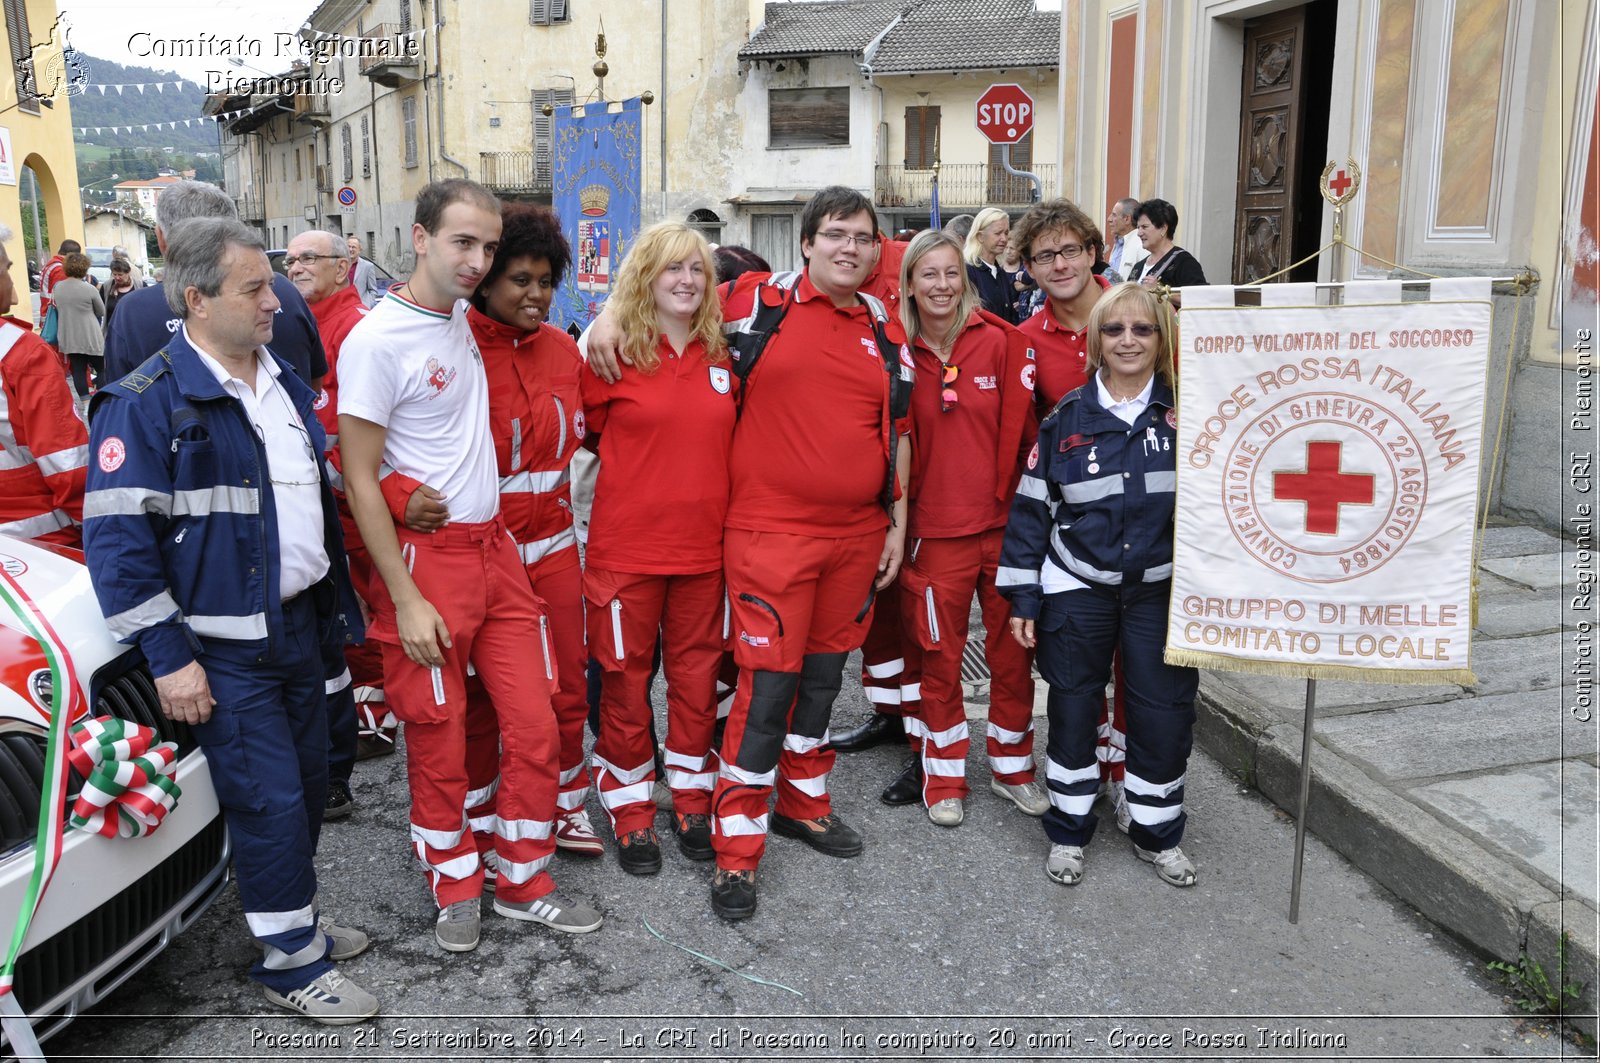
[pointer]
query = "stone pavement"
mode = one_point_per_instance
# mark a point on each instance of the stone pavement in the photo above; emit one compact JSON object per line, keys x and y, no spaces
{"x":1475,"y":805}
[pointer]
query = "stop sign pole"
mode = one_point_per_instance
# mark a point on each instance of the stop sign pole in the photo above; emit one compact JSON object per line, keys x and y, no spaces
{"x":1004,"y":117}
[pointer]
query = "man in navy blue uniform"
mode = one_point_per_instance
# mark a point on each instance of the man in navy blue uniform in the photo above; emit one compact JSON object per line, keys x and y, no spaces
{"x":214,"y":546}
{"x":144,"y":323}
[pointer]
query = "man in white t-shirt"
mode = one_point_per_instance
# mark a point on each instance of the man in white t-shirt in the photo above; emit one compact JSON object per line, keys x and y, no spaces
{"x":413,"y":395}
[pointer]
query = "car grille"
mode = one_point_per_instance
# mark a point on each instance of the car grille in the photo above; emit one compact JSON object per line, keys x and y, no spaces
{"x":122,"y":689}
{"x":56,"y":965}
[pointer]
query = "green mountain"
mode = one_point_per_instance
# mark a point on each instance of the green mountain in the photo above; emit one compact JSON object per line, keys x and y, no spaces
{"x":133,"y":108}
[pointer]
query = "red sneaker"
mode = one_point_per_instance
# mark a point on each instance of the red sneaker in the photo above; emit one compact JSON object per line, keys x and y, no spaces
{"x":575,"y":835}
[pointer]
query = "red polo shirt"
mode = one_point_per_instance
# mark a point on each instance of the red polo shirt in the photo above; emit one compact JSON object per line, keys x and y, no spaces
{"x":1062,"y":354}
{"x":665,"y":437}
{"x":811,"y":449}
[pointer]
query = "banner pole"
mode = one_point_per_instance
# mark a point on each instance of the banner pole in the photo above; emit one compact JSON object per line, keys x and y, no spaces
{"x":1305,"y":799}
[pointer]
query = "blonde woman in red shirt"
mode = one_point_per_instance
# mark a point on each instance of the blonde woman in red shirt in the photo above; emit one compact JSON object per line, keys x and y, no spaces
{"x":654,"y":564}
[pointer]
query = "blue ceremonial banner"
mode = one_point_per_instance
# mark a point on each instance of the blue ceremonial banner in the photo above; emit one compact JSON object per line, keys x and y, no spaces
{"x":597,"y":175}
{"x":934,"y":222}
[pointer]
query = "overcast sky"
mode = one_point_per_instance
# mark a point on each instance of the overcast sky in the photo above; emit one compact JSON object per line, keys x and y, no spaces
{"x":122,"y":30}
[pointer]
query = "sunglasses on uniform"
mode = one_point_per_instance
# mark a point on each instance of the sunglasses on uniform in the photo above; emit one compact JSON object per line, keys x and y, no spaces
{"x":948,"y":396}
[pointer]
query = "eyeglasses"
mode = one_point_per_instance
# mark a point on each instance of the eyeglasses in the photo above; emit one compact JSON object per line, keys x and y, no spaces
{"x":307,"y":259}
{"x":948,"y":396}
{"x":1144,"y":330}
{"x":836,"y":236}
{"x":1066,"y":251}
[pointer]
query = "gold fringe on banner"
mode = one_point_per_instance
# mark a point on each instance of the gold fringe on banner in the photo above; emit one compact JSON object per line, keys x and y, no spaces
{"x":1221,"y":662}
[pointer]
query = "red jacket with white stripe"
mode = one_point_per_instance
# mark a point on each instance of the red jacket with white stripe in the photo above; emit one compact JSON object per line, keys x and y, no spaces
{"x":44,"y":443}
{"x":536,"y":418}
{"x":336,"y":316}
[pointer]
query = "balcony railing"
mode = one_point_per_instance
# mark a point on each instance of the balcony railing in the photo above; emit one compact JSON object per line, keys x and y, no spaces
{"x":388,"y":69}
{"x":251,"y":207}
{"x":963,"y":186}
{"x":515,"y":172}
{"x":311,"y":107}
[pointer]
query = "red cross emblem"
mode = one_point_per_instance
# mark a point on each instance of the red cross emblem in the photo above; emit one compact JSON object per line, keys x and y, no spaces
{"x":1340,"y":182}
{"x":1322,"y":487}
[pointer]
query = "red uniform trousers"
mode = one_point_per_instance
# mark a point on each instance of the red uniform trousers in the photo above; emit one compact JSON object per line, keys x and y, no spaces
{"x":799,"y":605}
{"x":889,"y":675}
{"x":471,"y":574}
{"x":628,"y":611}
{"x":365,"y":661}
{"x":937,"y":584}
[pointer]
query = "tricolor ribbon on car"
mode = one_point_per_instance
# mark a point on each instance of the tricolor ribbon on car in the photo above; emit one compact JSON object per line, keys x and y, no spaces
{"x":128,"y":790}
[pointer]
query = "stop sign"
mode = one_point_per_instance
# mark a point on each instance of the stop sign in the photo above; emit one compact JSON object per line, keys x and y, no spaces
{"x":1005,"y":113}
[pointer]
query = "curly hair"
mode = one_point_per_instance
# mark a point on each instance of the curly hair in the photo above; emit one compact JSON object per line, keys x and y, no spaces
{"x":635,"y":303}
{"x":1048,"y":216}
{"x":527,"y":231}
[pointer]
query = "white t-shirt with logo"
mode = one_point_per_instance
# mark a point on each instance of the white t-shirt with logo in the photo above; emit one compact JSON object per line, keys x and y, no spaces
{"x":419,"y":373}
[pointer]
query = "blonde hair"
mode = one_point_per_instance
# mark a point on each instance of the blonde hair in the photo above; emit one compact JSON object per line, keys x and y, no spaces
{"x":925,"y":242}
{"x":986,"y":217}
{"x":635,"y":304}
{"x":1155,"y":307}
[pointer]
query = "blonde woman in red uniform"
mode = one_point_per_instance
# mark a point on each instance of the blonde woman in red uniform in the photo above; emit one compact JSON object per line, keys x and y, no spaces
{"x":536,"y":420}
{"x":654,"y":566}
{"x":969,"y":438}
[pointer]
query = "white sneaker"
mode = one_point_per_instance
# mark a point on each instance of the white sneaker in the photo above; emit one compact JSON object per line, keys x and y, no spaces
{"x":947,"y":813}
{"x":575,"y":834}
{"x":1172,"y":865}
{"x":1026,"y":796}
{"x":1065,"y":864}
{"x":331,"y":999}
{"x":1118,"y":793}
{"x":491,"y":869}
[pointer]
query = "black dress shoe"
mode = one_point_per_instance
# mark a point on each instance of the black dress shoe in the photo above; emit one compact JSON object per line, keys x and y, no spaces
{"x":340,"y":802}
{"x":879,"y":728}
{"x":907,"y":786}
{"x":826,"y":834}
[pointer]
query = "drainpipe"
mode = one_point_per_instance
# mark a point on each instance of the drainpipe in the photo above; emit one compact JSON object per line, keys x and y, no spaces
{"x":438,"y":84}
{"x":663,"y":97}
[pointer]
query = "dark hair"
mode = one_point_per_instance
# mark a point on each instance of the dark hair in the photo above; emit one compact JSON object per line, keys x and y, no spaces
{"x":435,"y":197}
{"x":527,"y":231}
{"x":734,"y":261}
{"x":1162,"y":215}
{"x":1047,"y":216}
{"x":835,"y":201}
{"x":121,"y":265}
{"x":69,"y":247}
{"x":76,"y":264}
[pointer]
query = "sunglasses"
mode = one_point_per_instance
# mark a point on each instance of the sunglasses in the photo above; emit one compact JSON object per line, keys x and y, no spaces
{"x":1143,"y":330}
{"x":948,"y":396}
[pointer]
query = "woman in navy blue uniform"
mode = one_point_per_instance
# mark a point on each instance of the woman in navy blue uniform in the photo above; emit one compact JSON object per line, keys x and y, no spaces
{"x":1087,"y":566}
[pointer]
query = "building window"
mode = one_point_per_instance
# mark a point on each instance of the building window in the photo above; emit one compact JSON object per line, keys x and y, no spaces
{"x":349,"y":153}
{"x":548,"y":12}
{"x":772,"y":236}
{"x":405,"y":17}
{"x":1003,"y":187}
{"x":284,"y":158}
{"x":808,"y":118}
{"x":21,"y":54}
{"x":408,"y":118}
{"x":298,"y":175}
{"x":544,"y":130}
{"x":922,"y":137}
{"x":366,"y":146}
{"x":707,"y":224}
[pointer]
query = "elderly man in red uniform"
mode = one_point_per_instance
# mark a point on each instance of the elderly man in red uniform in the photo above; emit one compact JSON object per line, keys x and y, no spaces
{"x":44,"y":444}
{"x":815,"y":527}
{"x":1054,"y":238}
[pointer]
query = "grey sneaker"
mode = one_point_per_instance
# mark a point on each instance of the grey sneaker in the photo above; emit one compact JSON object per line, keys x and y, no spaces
{"x":1119,"y":804}
{"x":331,"y":999}
{"x":348,"y":942}
{"x":1026,"y":796}
{"x":457,"y":928}
{"x":554,"y":911}
{"x":1065,"y":864}
{"x":947,"y":813}
{"x":1174,"y":868}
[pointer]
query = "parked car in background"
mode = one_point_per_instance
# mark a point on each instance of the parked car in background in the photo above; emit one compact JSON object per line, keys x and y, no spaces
{"x":113,"y":903}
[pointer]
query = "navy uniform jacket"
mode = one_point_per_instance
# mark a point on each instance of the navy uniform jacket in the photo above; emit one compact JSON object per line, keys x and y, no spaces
{"x":144,"y":323}
{"x":180,"y":526}
{"x":1095,"y":503}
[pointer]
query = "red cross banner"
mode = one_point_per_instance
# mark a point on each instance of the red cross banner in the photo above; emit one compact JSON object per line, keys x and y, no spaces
{"x":1328,"y":480}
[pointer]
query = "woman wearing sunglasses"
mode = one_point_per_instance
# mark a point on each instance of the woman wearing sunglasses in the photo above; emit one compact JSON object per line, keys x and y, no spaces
{"x":1089,"y":554}
{"x":969,"y":435}
{"x":663,"y":432}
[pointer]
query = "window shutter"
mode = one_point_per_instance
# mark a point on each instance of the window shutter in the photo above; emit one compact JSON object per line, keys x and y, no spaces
{"x":798,"y":118}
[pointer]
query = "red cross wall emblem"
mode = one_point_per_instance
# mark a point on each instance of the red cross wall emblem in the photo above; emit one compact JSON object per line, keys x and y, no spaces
{"x":1323,"y":487}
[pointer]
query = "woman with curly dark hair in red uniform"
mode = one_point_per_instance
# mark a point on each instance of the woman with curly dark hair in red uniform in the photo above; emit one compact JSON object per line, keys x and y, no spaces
{"x":536,"y":418}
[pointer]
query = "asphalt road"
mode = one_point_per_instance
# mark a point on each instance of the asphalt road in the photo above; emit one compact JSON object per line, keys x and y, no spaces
{"x":935,"y":944}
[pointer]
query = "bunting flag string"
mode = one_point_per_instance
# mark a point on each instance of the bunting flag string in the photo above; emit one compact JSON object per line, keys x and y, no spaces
{"x":159,"y":86}
{"x":145,"y":127}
